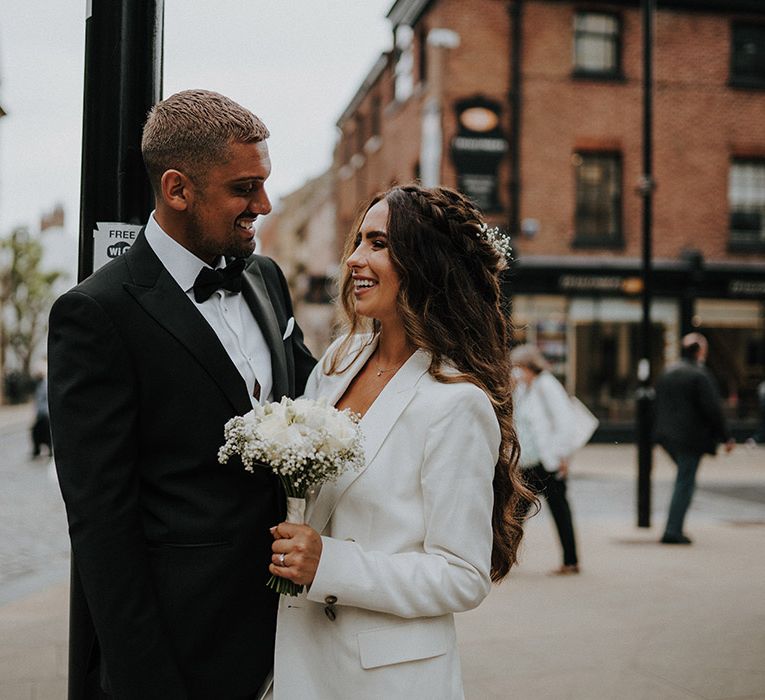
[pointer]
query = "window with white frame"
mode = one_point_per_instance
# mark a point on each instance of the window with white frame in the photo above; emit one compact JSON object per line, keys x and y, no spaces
{"x":597,"y":44}
{"x":746,"y":201}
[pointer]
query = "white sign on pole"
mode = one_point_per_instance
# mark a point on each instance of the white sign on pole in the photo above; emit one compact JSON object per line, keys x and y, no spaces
{"x":111,"y":239}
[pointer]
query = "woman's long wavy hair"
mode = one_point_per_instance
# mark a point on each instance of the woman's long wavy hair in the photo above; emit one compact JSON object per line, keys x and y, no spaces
{"x":450,"y":304}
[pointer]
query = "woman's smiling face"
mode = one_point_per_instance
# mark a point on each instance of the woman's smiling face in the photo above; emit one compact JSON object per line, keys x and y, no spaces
{"x":375,"y":281}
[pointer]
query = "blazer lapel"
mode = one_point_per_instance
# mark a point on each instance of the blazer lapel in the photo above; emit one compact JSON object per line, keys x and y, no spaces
{"x":335,"y":385}
{"x":376,"y":424}
{"x":161,"y":297}
{"x":257,"y":298}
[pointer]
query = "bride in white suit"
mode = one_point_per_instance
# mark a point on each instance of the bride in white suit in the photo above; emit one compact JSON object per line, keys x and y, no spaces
{"x":389,"y":554}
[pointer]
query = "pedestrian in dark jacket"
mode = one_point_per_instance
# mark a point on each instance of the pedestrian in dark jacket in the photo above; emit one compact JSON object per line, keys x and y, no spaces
{"x":689,"y":424}
{"x":759,"y":436}
{"x":41,"y":426}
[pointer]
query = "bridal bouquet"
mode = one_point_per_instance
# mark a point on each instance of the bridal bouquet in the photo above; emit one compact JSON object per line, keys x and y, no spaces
{"x":304,"y":442}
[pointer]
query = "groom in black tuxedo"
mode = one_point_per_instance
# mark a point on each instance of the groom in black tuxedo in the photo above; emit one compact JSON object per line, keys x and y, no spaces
{"x":149,"y":358}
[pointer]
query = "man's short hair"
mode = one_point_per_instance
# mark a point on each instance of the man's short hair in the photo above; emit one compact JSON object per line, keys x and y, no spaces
{"x":191,"y":131}
{"x":691,"y":345}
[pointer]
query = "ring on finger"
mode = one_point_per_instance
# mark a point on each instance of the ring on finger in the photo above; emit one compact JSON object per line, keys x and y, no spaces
{"x":281,"y":559}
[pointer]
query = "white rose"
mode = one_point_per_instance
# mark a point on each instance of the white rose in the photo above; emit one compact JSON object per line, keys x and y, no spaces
{"x":270,"y":425}
{"x":312,"y":413}
{"x":291,"y":435}
{"x":341,"y":430}
{"x":279,"y":410}
{"x":280,"y":434}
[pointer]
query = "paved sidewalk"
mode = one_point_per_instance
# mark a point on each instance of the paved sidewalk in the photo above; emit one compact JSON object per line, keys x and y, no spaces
{"x":13,"y":417}
{"x":33,"y":630}
{"x":642,"y":621}
{"x":637,"y":624}
{"x":33,"y":646}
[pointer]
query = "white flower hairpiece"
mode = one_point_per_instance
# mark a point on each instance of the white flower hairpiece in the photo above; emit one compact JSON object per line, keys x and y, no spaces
{"x":499,"y":240}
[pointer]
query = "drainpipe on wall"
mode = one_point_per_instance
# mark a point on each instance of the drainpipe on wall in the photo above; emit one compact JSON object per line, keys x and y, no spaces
{"x":431,"y":144}
{"x":515,"y":11}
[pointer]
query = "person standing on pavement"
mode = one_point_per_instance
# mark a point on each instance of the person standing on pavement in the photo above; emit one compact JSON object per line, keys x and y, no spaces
{"x":41,"y":425}
{"x":149,"y":357}
{"x":544,"y":426}
{"x":759,"y":436}
{"x":392,"y":551}
{"x":689,"y":423}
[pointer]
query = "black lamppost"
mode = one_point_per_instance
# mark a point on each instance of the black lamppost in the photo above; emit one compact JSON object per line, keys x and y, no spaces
{"x":645,"y":392}
{"x":123,"y":79}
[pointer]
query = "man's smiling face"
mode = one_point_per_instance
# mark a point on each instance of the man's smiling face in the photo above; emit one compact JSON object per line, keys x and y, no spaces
{"x":222,"y":209}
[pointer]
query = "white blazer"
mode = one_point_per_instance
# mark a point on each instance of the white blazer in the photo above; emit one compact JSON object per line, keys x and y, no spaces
{"x":406,"y":543}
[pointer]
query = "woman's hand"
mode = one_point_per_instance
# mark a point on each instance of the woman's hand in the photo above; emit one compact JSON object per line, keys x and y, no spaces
{"x":301,"y":547}
{"x":562,"y":469}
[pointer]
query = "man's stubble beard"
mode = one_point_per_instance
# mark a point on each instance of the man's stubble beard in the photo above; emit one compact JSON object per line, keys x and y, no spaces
{"x":205,"y":247}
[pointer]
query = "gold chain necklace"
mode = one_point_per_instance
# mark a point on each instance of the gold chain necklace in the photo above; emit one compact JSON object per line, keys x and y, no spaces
{"x":381,"y":371}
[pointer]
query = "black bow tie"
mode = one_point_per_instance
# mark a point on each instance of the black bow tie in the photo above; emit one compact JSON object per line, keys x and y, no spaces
{"x":209,"y":281}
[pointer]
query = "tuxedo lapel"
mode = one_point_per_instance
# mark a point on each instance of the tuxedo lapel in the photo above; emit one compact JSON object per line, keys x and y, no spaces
{"x":161,"y":297}
{"x":376,"y":424}
{"x":257,"y":298}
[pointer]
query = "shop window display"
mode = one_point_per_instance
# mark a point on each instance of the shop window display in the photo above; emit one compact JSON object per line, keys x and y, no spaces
{"x":734,"y":329}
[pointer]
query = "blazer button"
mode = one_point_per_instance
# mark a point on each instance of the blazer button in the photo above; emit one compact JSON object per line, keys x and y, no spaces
{"x":329,"y":608}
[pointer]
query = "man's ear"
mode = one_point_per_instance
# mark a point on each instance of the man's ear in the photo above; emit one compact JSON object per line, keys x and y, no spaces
{"x":175,"y":190}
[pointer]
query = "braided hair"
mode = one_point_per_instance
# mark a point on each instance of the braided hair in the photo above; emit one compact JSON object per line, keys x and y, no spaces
{"x":450,"y":304}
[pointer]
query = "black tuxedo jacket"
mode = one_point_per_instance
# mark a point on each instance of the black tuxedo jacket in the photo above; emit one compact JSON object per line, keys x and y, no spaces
{"x":170,"y":548}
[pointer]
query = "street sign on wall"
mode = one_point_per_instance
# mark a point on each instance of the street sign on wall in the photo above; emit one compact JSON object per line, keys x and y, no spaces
{"x":112,"y":239}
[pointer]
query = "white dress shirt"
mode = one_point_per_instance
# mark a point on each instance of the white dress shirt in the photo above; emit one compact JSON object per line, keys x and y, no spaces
{"x":227,"y":313}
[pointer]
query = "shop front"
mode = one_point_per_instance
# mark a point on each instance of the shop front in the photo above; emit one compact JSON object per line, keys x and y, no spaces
{"x":586,"y":319}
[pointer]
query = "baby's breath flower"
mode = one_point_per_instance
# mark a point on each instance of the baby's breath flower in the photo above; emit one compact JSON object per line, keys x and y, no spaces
{"x":498,"y":239}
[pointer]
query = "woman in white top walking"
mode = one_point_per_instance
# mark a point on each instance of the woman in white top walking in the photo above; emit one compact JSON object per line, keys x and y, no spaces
{"x":544,"y":428}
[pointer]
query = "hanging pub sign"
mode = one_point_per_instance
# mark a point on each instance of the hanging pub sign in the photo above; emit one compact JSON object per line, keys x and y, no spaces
{"x":477,"y":150}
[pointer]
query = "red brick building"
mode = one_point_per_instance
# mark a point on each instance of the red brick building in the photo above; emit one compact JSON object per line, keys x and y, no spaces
{"x":534,"y":108}
{"x":301,"y":235}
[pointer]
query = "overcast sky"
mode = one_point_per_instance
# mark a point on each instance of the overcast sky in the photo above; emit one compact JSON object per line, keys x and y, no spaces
{"x":295,"y":63}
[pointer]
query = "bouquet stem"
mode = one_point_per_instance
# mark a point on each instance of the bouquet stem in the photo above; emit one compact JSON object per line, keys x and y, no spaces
{"x":284,"y":586}
{"x":295,"y":514}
